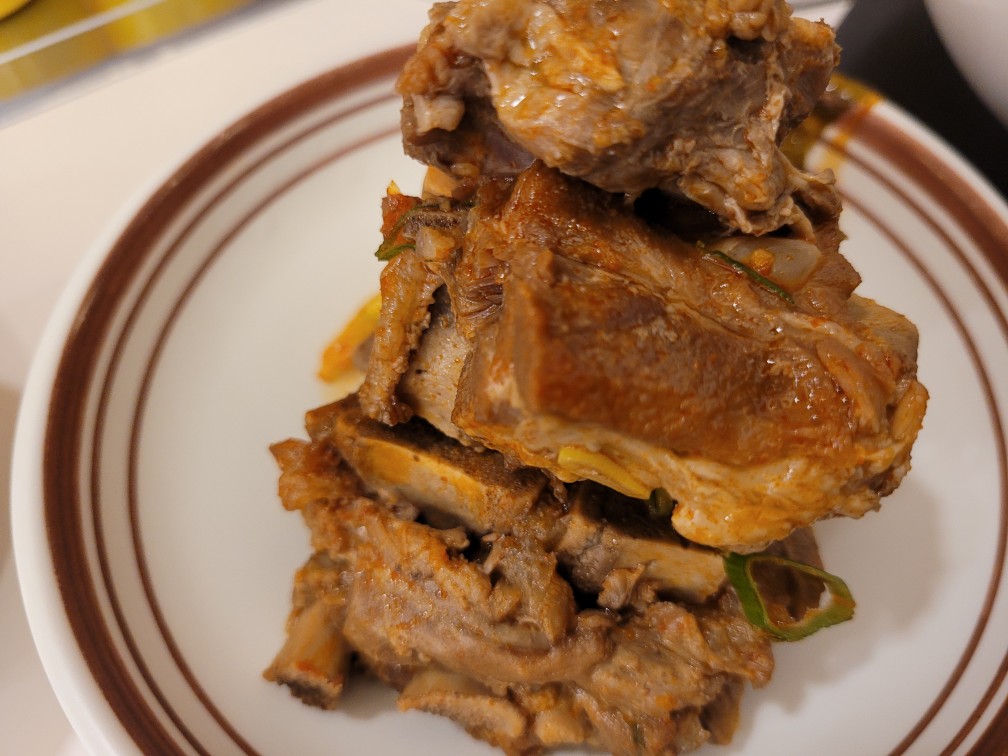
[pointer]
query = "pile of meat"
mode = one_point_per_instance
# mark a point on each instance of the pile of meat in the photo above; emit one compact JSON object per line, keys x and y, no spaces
{"x":615,"y":293}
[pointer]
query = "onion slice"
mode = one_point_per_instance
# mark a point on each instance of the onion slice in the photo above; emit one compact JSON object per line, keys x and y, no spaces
{"x":788,"y":262}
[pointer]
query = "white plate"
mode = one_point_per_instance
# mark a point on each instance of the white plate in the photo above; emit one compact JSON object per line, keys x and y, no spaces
{"x":156,"y":561}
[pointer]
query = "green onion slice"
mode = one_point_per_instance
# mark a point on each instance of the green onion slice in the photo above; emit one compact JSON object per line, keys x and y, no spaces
{"x":387,"y":252}
{"x":840,"y":608}
{"x":719,"y":257}
{"x":388,"y":248}
{"x":660,"y":503}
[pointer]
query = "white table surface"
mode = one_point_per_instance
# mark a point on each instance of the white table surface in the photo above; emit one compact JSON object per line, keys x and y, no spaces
{"x":73,"y":163}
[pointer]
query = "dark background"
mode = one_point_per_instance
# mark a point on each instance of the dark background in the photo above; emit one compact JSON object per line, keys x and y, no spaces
{"x":892,"y":46}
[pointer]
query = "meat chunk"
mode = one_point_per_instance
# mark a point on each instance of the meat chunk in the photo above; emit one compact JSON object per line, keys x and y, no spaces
{"x":594,"y":532}
{"x":688,"y":96}
{"x":409,"y":288}
{"x":603,"y":534}
{"x":435,"y":368}
{"x":416,"y":464}
{"x":760,"y":409}
{"x":487,"y":629}
{"x":315,"y":659}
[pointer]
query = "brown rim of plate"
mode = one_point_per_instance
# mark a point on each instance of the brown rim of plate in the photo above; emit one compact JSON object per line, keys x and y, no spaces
{"x":141,"y":404}
{"x":988,"y":231}
{"x":66,"y":424}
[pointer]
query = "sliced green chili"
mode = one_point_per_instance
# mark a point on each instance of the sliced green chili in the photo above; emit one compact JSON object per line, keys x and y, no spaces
{"x":717,"y":256}
{"x":738,"y":567}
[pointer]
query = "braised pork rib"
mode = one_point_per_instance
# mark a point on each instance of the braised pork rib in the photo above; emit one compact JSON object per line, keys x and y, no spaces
{"x":688,"y":96}
{"x":569,"y":323}
{"x":640,"y":648}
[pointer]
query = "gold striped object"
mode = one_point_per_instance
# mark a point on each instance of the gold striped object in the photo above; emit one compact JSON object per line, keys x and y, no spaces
{"x":45,"y":41}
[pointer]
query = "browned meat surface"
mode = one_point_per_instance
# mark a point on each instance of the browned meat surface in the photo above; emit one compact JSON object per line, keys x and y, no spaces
{"x":435,"y":367}
{"x":689,"y":96}
{"x":614,"y":545}
{"x":575,"y":325}
{"x":505,"y":630}
{"x":417,"y":464}
{"x":407,"y":288}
